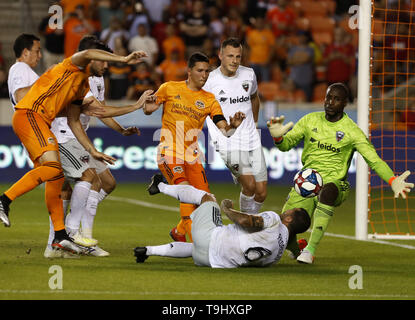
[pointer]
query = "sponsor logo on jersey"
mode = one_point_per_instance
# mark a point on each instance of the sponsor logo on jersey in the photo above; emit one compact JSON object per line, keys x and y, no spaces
{"x":328,"y":147}
{"x":200,"y":104}
{"x":239,"y":99}
{"x":339,"y":135}
{"x":223,"y":99}
{"x":245,"y":85}
{"x":314,"y":130}
{"x":177,"y":97}
{"x":221,"y":92}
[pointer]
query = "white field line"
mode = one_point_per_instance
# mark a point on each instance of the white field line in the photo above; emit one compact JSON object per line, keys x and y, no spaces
{"x":215,"y":294}
{"x":176,"y":209}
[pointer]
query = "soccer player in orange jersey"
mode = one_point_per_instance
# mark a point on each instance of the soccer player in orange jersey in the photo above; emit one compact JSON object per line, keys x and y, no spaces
{"x":185,"y":108}
{"x":60,"y":89}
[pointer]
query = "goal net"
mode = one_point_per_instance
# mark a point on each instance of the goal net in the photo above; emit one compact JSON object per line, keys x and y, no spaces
{"x":392,"y":115}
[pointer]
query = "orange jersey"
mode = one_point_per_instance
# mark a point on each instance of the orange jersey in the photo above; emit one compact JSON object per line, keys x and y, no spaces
{"x":56,"y":89}
{"x":184,"y":113}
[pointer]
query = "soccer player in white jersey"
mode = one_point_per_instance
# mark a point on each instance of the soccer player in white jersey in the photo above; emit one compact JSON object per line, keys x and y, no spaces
{"x":93,"y":179}
{"x":27,"y":50}
{"x":235,"y":88}
{"x":253,"y":240}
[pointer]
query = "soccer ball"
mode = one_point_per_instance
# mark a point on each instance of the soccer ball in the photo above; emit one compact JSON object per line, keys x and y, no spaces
{"x":308,"y":183}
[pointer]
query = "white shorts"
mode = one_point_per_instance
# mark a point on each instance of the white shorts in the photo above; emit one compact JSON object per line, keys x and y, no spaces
{"x":246,"y":163}
{"x":75,"y":160}
{"x":205,"y":219}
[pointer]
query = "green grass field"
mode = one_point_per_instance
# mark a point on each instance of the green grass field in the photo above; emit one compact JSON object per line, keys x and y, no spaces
{"x":128,"y":219}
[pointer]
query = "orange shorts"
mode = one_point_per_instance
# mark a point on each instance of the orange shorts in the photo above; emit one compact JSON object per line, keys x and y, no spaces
{"x":175,"y":173}
{"x":34,"y":132}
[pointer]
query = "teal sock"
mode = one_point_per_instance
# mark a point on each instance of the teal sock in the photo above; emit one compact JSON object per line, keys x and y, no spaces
{"x":322,"y":217}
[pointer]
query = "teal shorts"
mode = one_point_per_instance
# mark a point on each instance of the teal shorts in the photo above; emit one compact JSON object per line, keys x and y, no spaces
{"x":294,"y":200}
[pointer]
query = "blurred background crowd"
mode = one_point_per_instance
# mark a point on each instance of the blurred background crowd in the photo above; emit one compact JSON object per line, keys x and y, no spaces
{"x":297,"y":48}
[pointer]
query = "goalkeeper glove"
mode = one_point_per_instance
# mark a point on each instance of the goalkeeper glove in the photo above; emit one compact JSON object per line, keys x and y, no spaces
{"x":400,"y":186}
{"x":277,"y":129}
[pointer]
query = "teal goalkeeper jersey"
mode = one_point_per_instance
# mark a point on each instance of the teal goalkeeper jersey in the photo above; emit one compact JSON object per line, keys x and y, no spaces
{"x":329,"y":146}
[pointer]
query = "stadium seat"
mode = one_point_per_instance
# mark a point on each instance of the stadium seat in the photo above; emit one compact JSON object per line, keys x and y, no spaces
{"x":319,"y":92}
{"x":268,"y":90}
{"x":302,"y":23}
{"x":322,"y":24}
{"x":322,"y":37}
{"x":314,"y":9}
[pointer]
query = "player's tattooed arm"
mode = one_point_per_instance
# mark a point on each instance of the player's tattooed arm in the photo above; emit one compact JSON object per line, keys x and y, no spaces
{"x":249,"y":222}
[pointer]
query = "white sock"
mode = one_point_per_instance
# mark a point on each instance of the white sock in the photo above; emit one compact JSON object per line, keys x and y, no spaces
{"x":78,"y":203}
{"x":51,"y":234}
{"x":87,"y":220}
{"x":173,"y":250}
{"x":66,"y":206}
{"x":102,"y":195}
{"x":256,"y":206}
{"x":246,"y":203}
{"x":183,"y":193}
{"x":51,"y":229}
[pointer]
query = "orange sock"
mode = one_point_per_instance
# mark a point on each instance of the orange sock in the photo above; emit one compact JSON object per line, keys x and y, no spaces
{"x":185,"y":224}
{"x":45,"y":172}
{"x":54,"y":202}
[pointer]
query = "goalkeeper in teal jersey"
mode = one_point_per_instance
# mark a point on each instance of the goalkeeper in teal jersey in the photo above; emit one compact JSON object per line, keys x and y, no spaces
{"x":330,"y":140}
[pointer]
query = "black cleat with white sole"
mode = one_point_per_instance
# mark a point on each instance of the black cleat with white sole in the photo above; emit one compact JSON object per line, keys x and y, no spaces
{"x":153,"y":186}
{"x":4,"y":212}
{"x":141,"y":254}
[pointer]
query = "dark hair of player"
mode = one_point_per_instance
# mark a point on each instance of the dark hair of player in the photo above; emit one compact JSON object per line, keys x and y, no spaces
{"x":301,"y":221}
{"x":343,"y":87}
{"x":197,"y":57}
{"x":233,"y":42}
{"x":24,"y":41}
{"x":92,"y":42}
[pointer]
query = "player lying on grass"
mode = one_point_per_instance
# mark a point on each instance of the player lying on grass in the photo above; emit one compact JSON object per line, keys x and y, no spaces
{"x":252,"y":240}
{"x":330,"y":140}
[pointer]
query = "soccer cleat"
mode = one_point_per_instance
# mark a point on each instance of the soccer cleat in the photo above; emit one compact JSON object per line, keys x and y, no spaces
{"x":140,"y":254}
{"x":302,"y":243}
{"x":96,"y":251}
{"x":305,"y":257}
{"x":4,"y":214}
{"x":153,"y":186}
{"x":67,"y":244}
{"x":176,"y":236}
{"x":82,"y":241}
{"x":58,"y":253}
{"x":52,"y":253}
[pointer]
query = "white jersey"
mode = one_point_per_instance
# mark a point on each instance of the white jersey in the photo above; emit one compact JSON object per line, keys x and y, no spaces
{"x":60,"y":127}
{"x":234,"y":94}
{"x":231,"y":246}
{"x":21,"y":75}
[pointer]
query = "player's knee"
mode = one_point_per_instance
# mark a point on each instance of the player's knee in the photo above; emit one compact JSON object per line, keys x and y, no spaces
{"x":109,"y":186}
{"x":260,"y":195}
{"x":208,"y":197}
{"x":329,"y":194}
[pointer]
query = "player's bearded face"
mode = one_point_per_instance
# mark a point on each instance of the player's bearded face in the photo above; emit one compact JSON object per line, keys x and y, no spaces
{"x":98,"y":68}
{"x":199,"y":74}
